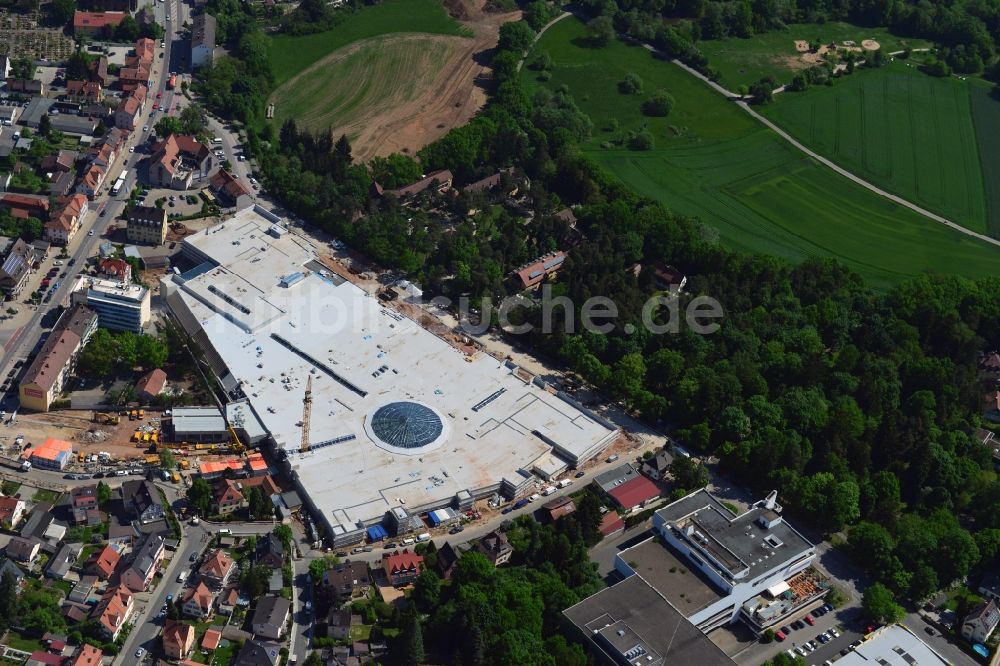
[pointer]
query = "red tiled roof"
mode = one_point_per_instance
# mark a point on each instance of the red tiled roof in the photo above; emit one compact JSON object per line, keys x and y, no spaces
{"x":533,"y":273}
{"x":611,"y":523}
{"x":88,"y":656}
{"x":97,"y":20}
{"x":106,"y":561}
{"x":634,"y":492}
{"x":402,"y":561}
{"x":117,"y":268}
{"x":152,"y":382}
{"x":210,"y":640}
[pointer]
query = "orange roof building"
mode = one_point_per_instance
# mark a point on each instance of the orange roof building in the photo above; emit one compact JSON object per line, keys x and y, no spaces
{"x":215,"y":468}
{"x":210,"y":641}
{"x":94,"y":23}
{"x":402,"y":566}
{"x":53,"y":454}
{"x":256,"y":464}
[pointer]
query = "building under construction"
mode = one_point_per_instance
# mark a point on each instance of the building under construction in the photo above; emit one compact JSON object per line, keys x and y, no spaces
{"x":371,"y":411}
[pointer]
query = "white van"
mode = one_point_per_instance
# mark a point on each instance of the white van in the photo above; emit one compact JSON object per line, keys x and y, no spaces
{"x":426,"y":536}
{"x":182,"y":576}
{"x":216,"y":141}
{"x":224,"y":531}
{"x":549,"y":490}
{"x":407,"y":542}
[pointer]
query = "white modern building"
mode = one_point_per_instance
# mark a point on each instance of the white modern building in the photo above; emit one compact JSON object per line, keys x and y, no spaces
{"x":736,"y":558}
{"x":892,"y":645}
{"x":400,"y":417}
{"x":119,"y":305}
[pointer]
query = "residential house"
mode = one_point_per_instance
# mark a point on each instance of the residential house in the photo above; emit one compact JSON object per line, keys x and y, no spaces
{"x":178,"y":639}
{"x":145,"y":562}
{"x":11,"y":511}
{"x":270,"y":551}
{"x":217,"y":569}
{"x":128,"y":113}
{"x":64,"y":559}
{"x":113,"y":610}
{"x":439,"y":181}
{"x":96,"y":24}
{"x":668,"y":278}
{"x":43,"y":381}
{"x":62,"y":161}
{"x":991,"y":407}
{"x":611,"y":524}
{"x":258,"y":653}
{"x":84,"y":497}
{"x":402,"y":567}
{"x":142,"y":501}
{"x":210,"y":641}
{"x":230,"y":192}
{"x":7,"y":567}
{"x":99,"y":70}
{"x":227,"y":601}
{"x":23,"y":549}
{"x":115,"y":269}
{"x":66,"y":220}
{"x":532,"y":274}
{"x":226,"y":497}
{"x":339,"y":623}
{"x":91,"y":181}
{"x":202,"y":40}
{"x":121,"y":533}
{"x":198,"y":601}
{"x":658,"y":466}
{"x":151,"y":385}
{"x":270,"y":617}
{"x":39,"y":658}
{"x":87,"y":655}
{"x":559,"y":507}
{"x":16,"y":268}
{"x":103,"y":563}
{"x":980,"y":623}
{"x":989,"y":586}
{"x":495,"y":547}
{"x":347,"y":580}
{"x":447,"y":560}
{"x":84,"y":92}
{"x":491,"y":183}
{"x":178,"y":161}
{"x":146,"y":224}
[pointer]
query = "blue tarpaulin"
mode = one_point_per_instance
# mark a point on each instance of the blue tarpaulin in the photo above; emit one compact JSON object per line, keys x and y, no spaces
{"x":377,"y":533}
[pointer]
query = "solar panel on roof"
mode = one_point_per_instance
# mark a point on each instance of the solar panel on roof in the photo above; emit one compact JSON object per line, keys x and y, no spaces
{"x":534,"y":274}
{"x":552,"y":262}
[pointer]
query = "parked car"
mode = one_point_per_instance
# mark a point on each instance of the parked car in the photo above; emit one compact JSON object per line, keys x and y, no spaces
{"x":780,"y":635}
{"x":786,"y":630}
{"x":809,"y":620}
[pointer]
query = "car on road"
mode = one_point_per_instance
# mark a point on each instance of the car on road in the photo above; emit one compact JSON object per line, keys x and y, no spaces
{"x":131,"y":149}
{"x":930,"y":631}
{"x":193,"y":557}
{"x":145,"y":128}
{"x":90,"y":233}
{"x":456,"y":529}
{"x":507,"y":510}
{"x":579,"y":475}
{"x":170,"y":598}
{"x":71,"y":262}
{"x":105,"y":210}
{"x":140,"y":652}
{"x":99,"y":475}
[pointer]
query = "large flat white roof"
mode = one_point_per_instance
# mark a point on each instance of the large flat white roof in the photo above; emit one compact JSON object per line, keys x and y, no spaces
{"x":363,"y":356}
{"x":892,"y":645}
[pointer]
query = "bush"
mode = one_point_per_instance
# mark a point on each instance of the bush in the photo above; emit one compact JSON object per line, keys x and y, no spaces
{"x":767,"y":636}
{"x":630,"y":85}
{"x":659,"y":105}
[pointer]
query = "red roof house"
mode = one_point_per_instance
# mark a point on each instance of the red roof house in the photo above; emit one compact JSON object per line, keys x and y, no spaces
{"x":402,"y":566}
{"x":634,"y":493}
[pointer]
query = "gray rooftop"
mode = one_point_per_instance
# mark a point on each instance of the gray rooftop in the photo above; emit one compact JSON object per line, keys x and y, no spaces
{"x":615,"y":477}
{"x":197,"y":419}
{"x":893,"y":645}
{"x":671,"y":576}
{"x":738,"y":543}
{"x":629,"y":623}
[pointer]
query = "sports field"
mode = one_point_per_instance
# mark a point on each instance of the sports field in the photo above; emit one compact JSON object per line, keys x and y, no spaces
{"x":743,"y":61}
{"x":292,"y":54}
{"x":907,"y":132}
{"x":713,"y":161}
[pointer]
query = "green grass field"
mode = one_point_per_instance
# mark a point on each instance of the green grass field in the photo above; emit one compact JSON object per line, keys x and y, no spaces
{"x":714,"y":162}
{"x":907,"y":132}
{"x":360,"y":82}
{"x":293,"y":54}
{"x":743,"y":61}
{"x":986,"y":119}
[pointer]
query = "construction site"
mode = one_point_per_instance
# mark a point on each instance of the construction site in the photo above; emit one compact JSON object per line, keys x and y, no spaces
{"x":375,"y":408}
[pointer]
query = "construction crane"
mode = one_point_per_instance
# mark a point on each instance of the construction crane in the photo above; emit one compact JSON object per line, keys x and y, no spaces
{"x":307,"y":403}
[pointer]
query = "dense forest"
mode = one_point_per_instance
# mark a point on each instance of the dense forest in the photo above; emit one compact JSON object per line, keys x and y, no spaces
{"x":858,"y":406}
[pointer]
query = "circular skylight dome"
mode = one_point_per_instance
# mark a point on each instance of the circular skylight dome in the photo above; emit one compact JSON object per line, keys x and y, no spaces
{"x":406,"y":426}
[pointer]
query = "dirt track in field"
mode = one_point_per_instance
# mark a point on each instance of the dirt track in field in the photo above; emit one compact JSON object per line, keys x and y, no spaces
{"x":442,"y":83}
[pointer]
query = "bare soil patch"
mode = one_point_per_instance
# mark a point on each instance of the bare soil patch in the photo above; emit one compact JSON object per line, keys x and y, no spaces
{"x":870,"y":45}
